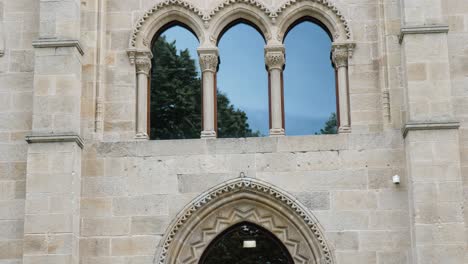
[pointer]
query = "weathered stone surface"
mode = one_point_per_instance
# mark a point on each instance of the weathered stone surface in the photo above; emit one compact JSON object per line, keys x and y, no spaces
{"x":113,"y":202}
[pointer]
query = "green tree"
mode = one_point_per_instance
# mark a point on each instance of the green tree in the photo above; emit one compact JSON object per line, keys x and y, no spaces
{"x":175,"y":98}
{"x":330,"y":125}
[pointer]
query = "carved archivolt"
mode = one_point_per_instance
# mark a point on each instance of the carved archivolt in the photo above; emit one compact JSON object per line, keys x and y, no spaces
{"x":242,"y":200}
{"x":201,"y":20}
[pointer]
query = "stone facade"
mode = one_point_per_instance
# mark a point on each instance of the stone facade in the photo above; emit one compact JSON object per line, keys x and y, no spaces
{"x":80,"y":182}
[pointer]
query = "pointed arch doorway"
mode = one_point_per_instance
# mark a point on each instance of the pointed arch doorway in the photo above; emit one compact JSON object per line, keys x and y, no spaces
{"x":246,"y":243}
{"x":220,"y":213}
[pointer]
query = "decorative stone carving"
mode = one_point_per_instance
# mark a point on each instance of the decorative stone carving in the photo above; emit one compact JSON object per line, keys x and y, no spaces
{"x":208,"y":15}
{"x":143,"y":63}
{"x":238,"y":200}
{"x":153,"y":11}
{"x":325,"y":3}
{"x":340,"y":57}
{"x":208,"y":62}
{"x":341,"y":52}
{"x":274,"y":60}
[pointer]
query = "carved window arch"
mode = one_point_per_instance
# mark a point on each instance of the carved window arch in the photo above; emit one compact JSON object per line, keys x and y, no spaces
{"x":208,"y":25}
{"x":310,"y":77}
{"x":237,"y":201}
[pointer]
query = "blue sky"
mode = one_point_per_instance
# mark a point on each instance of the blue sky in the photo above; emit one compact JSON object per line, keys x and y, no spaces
{"x":309,"y":82}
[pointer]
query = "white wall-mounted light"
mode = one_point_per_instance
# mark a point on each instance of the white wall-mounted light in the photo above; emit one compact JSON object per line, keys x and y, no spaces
{"x":249,"y":244}
{"x":396,"y":179}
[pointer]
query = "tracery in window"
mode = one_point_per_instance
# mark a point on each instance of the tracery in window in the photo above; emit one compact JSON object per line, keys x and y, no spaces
{"x":175,"y":90}
{"x":242,"y":83}
{"x":310,"y":97}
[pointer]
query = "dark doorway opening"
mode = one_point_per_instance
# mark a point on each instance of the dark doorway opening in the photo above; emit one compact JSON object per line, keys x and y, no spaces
{"x":246,"y":243}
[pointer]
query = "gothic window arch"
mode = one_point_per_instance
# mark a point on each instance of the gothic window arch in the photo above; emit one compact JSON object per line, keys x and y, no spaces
{"x":174,"y":95}
{"x":208,"y":26}
{"x":242,"y":82}
{"x":310,"y":91}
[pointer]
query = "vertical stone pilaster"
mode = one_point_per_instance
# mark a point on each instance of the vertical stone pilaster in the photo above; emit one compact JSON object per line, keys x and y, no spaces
{"x":53,"y":182}
{"x":275,"y":60}
{"x":340,"y":55}
{"x":431,"y":137}
{"x":208,"y":58}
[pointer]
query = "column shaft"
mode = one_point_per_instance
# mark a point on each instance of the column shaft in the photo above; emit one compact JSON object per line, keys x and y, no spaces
{"x":208,"y":64}
{"x":275,"y":60}
{"x":143,"y":66}
{"x":340,"y":55}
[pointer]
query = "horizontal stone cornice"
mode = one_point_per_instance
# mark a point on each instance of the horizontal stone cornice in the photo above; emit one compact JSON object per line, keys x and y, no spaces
{"x":412,"y":126}
{"x":425,"y":29}
{"x":53,"y":138}
{"x":58,"y":43}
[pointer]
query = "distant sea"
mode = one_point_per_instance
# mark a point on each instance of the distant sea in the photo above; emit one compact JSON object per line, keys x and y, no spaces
{"x":296,"y":125}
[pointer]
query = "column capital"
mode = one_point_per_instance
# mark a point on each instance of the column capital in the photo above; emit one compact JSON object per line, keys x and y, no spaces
{"x":208,"y":58}
{"x":142,"y":61}
{"x":341,"y":52}
{"x":275,"y":57}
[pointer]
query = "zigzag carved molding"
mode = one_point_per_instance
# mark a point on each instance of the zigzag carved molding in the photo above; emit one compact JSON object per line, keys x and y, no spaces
{"x":207,"y":16}
{"x":252,"y":215}
{"x":252,"y":186}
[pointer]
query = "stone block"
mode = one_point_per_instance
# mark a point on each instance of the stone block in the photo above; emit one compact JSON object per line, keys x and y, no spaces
{"x":131,"y":246}
{"x":149,"y":225}
{"x":344,"y":240}
{"x":149,"y":205}
{"x":53,"y":223}
{"x":314,"y":200}
{"x":384,"y":240}
{"x":47,"y":259}
{"x":197,"y":183}
{"x":95,"y":207}
{"x":60,"y":244}
{"x":354,"y":200}
{"x":392,"y":199}
{"x":35,"y":244}
{"x":353,"y":257}
{"x":11,"y":229}
{"x":106,"y":226}
{"x":104,"y":186}
{"x":388,"y":220}
{"x":399,"y":257}
{"x":343,"y":220}
{"x":94,"y":247}
{"x":12,"y":209}
{"x":11,"y":249}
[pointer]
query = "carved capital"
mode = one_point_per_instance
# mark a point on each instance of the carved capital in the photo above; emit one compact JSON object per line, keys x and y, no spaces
{"x":275,"y":57}
{"x":208,"y":58}
{"x":341,"y":52}
{"x":143,"y":62}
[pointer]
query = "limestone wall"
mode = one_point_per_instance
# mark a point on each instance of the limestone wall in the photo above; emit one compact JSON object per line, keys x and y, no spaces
{"x":132,"y":191}
{"x":18,"y":27}
{"x":457,"y":17}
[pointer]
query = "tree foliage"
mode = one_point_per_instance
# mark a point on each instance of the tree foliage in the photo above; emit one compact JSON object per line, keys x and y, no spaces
{"x":331,"y":126}
{"x":175,"y":98}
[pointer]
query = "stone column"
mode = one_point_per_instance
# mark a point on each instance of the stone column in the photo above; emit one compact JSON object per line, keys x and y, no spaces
{"x":208,"y":58}
{"x":143,"y":67}
{"x":274,"y":60}
{"x":340,"y":55}
{"x":53,"y":181}
{"x":431,"y":137}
